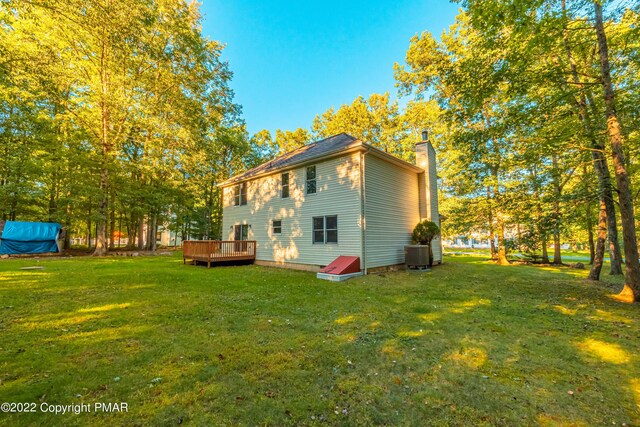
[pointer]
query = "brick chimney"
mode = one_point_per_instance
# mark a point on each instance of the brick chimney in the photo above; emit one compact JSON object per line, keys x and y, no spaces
{"x":428,"y":187}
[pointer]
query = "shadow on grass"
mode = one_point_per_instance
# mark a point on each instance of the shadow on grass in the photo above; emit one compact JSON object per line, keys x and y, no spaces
{"x":468,"y":343}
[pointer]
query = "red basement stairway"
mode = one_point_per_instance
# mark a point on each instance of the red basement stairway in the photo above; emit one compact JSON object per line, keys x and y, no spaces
{"x":342,"y":268}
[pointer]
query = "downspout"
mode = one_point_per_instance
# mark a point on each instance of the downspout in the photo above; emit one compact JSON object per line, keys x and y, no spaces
{"x":363,"y":217}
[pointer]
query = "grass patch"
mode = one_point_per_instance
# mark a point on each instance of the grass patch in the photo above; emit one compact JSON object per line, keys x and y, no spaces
{"x":468,"y":343}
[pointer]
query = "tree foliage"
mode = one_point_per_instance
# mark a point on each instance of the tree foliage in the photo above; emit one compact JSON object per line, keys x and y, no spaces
{"x":518,"y":83}
{"x":424,"y":232}
{"x":115,"y":115}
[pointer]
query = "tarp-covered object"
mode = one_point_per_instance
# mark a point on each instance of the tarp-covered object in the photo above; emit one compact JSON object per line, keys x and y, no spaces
{"x":29,"y":237}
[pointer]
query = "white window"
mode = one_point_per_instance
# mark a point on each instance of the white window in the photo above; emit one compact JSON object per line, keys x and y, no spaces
{"x":311,"y":179}
{"x":240,"y":194}
{"x":325,"y":229}
{"x":331,"y":229}
{"x":285,"y":185}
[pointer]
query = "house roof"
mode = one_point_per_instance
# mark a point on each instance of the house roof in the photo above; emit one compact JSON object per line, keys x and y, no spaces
{"x":308,"y":153}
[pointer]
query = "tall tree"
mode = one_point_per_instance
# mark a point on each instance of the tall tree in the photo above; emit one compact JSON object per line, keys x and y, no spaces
{"x":616,"y":139}
{"x":376,"y":120}
{"x":464,"y":78}
{"x":121,"y":96}
{"x":562,"y":39}
{"x":290,"y":140}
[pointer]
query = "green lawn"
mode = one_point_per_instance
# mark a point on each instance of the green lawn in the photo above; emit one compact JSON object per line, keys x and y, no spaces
{"x":469,"y":343}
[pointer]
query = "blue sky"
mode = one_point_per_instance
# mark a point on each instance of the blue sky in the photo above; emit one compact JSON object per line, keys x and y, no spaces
{"x":294,"y":59}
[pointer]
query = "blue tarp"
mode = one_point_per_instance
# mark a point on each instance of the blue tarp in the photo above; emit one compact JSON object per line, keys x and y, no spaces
{"x":29,"y":237}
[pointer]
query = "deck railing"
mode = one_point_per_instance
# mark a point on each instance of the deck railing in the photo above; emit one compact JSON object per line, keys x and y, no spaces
{"x":218,"y":250}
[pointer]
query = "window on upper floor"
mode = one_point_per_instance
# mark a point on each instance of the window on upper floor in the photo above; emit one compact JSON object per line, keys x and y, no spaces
{"x":285,"y":185}
{"x":240,"y":194}
{"x":325,"y":229}
{"x":311,"y":179}
{"x":276,"y":226}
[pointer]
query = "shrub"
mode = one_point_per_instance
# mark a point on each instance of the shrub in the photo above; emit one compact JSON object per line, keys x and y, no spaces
{"x":424,"y":232}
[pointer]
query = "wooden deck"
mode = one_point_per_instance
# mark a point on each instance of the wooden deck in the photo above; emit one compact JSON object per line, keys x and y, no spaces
{"x":212,"y":251}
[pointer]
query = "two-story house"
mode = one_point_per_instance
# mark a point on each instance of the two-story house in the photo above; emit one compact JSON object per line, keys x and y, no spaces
{"x":337,"y":196}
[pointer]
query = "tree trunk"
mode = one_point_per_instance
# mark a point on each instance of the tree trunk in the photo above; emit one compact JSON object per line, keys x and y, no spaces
{"x":587,"y":214}
{"x":112,"y":222}
{"x":141,"y":233}
{"x":207,"y":213}
{"x":492,"y":235}
{"x":119,"y":230}
{"x":105,"y":145}
{"x":103,"y":205}
{"x":502,"y":249}
{"x":53,"y":200}
{"x":132,"y":235}
{"x":132,"y":231}
{"x":154,"y":231}
{"x":592,"y":249}
{"x":492,"y":244}
{"x":557,"y":256}
{"x":147,"y":239}
{"x":67,"y":226}
{"x":606,"y":189}
{"x":614,"y":249}
{"x":540,"y":228}
{"x":150,"y":244}
{"x":557,"y":193}
{"x":101,"y":225}
{"x":605,"y":207}
{"x":598,"y":259}
{"x":631,"y":291}
{"x":606,"y":195}
{"x":89,"y":227}
{"x":599,"y":160}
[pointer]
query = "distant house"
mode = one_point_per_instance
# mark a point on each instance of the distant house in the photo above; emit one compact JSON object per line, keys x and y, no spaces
{"x":337,"y":196}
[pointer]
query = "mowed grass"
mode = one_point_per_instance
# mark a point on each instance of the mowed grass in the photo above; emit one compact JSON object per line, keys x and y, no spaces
{"x":469,"y":343}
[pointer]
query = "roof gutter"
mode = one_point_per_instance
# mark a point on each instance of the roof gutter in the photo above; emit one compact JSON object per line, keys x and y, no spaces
{"x":391,"y":158}
{"x":326,"y":156}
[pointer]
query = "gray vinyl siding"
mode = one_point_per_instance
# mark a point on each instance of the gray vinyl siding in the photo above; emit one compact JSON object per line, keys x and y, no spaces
{"x":391,"y":211}
{"x":338,"y":193}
